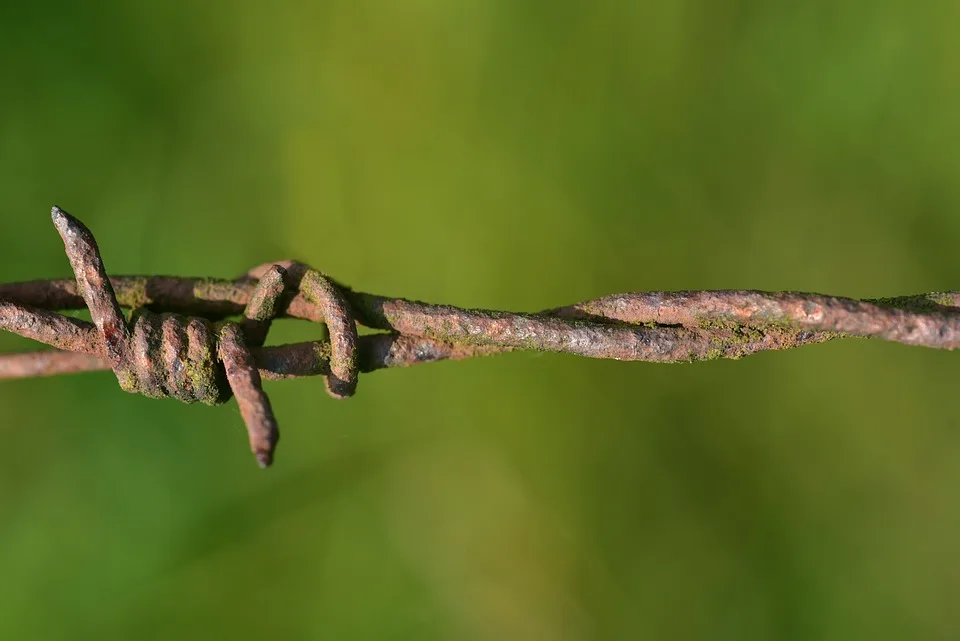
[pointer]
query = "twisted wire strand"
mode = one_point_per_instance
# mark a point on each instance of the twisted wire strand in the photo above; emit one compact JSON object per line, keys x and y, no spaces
{"x":674,"y":326}
{"x":179,"y":323}
{"x":649,"y":326}
{"x":81,"y":351}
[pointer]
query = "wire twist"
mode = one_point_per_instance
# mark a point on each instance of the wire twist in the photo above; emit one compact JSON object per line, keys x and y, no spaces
{"x":178,"y":342}
{"x":192,"y":359}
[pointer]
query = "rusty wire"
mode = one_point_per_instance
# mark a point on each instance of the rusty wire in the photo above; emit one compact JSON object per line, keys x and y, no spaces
{"x":151,"y":353}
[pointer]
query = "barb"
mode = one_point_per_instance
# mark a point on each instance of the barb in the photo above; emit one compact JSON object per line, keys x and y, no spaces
{"x":179,"y":344}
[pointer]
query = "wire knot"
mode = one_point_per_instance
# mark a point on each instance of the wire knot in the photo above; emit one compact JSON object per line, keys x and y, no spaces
{"x":174,"y":356}
{"x":194,"y":359}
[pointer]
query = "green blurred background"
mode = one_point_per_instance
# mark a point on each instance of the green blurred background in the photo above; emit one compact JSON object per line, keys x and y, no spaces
{"x":504,"y":154}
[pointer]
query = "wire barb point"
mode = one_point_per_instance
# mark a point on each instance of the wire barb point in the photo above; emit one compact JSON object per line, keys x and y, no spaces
{"x":264,"y":459}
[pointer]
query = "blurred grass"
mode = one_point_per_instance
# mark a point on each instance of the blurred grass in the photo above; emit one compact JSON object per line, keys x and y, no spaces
{"x":514,"y":155}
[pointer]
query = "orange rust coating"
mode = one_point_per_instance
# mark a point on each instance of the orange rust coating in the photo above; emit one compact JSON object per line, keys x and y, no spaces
{"x":912,"y":319}
{"x":48,"y":363}
{"x":254,"y":405}
{"x":50,"y":328}
{"x":937,"y":327}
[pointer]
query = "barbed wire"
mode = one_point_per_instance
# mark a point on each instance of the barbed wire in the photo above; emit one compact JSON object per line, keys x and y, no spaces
{"x":179,"y":343}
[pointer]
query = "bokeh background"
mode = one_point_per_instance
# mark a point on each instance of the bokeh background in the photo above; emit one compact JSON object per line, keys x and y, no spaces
{"x":504,"y":154}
